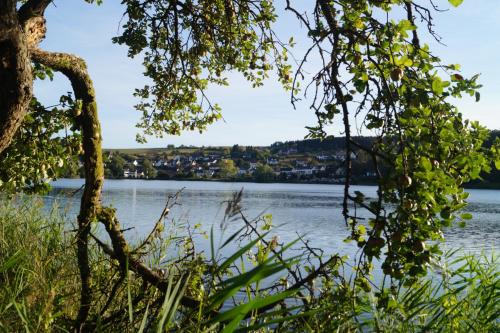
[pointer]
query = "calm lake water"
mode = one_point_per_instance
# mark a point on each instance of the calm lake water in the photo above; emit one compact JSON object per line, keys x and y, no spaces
{"x":310,"y":210}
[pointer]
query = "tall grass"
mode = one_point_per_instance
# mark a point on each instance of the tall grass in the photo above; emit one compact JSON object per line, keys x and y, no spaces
{"x":463,"y":299}
{"x":38,"y":272}
{"x":39,"y":287}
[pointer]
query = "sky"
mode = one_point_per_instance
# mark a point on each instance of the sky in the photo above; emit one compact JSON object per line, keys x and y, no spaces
{"x":258,"y":116}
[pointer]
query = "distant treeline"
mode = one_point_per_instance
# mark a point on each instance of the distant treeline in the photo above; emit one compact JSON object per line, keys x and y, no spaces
{"x":317,"y":145}
{"x":492,"y":179}
{"x":338,"y":143}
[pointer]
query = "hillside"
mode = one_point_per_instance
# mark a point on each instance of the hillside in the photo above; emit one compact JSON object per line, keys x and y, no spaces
{"x":311,"y":160}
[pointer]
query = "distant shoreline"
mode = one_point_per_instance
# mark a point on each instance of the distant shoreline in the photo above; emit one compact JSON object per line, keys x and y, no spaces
{"x":478,"y":186}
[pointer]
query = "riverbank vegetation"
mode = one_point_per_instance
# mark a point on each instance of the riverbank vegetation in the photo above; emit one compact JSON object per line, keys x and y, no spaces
{"x":40,"y":284}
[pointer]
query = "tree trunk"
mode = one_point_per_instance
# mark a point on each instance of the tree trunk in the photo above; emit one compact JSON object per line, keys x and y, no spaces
{"x":75,"y":70}
{"x":91,"y":209}
{"x":16,"y":81}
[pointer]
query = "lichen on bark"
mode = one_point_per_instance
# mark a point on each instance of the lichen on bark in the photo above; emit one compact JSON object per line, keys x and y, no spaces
{"x":16,"y":86}
{"x":75,"y":70}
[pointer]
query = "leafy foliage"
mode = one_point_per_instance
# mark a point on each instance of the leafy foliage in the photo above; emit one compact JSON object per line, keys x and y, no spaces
{"x":375,"y":71}
{"x":227,"y":168}
{"x":186,"y":46}
{"x":149,"y":171}
{"x":115,"y":165}
{"x":264,"y":172}
{"x":46,"y":145}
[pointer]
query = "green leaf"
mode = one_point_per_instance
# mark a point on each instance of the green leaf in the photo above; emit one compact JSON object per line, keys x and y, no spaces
{"x":456,"y":3}
{"x":239,"y":253}
{"x":12,"y":261}
{"x":426,"y":164}
{"x":466,"y":216}
{"x":406,"y":25}
{"x":278,"y":320}
{"x":445,"y":214}
{"x":437,"y":86}
{"x":238,"y":313}
{"x":362,"y":229}
{"x":232,"y":237}
{"x":171,"y":302}
{"x":144,"y":320}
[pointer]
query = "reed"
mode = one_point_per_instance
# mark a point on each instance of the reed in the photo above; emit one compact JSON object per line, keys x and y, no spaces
{"x":235,"y":293}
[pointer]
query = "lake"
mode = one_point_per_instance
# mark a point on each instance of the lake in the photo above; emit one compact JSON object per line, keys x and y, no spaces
{"x":310,"y":210}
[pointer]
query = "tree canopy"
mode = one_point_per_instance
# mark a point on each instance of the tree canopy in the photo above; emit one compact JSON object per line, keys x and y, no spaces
{"x":227,"y":168}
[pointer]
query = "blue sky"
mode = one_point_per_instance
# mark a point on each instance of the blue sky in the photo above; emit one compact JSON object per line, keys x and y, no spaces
{"x":252,"y":116}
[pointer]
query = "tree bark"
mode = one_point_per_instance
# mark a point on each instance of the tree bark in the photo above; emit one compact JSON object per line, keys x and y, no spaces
{"x":16,"y":81}
{"x":75,"y":70}
{"x":32,"y":8}
{"x":91,"y":209}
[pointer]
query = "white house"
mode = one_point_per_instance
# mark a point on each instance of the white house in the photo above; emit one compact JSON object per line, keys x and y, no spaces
{"x":160,"y":163}
{"x":301,"y":164}
{"x":303,"y":171}
{"x":272,"y":161}
{"x":322,"y":157}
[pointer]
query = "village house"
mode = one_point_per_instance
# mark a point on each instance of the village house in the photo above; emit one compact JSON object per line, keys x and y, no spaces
{"x":161,"y":163}
{"x":305,"y":171}
{"x":215,"y":156}
{"x":208,"y":173}
{"x":340,"y":156}
{"x":214,"y":168}
{"x":323,"y":157}
{"x":319,"y":168}
{"x":340,"y":172}
{"x":289,"y":151}
{"x":286,"y":171}
{"x":301,"y":164}
{"x":199,"y":172}
{"x":272,"y":161}
{"x":137,"y":173}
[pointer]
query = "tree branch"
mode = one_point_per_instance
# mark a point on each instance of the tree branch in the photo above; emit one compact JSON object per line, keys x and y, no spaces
{"x":75,"y":70}
{"x":32,"y":8}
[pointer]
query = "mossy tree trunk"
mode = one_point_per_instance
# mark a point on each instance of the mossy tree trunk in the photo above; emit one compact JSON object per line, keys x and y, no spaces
{"x":16,"y":80}
{"x":75,"y":70}
{"x":91,"y":209}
